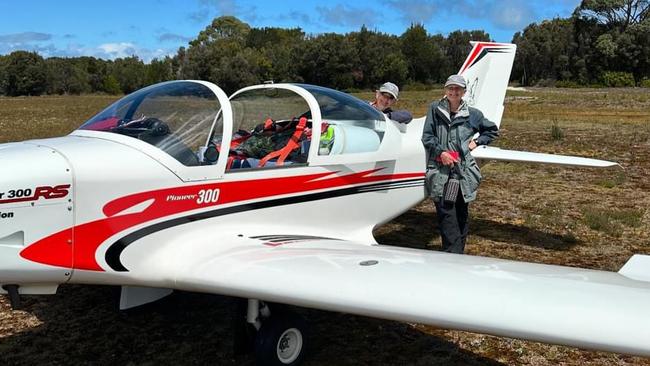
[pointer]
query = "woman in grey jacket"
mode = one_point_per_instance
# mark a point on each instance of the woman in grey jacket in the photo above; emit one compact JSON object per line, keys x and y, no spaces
{"x":448,"y":138}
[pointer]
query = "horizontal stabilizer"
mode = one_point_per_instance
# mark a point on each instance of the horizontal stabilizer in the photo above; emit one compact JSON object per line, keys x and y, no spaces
{"x":495,"y":153}
{"x":637,"y":268}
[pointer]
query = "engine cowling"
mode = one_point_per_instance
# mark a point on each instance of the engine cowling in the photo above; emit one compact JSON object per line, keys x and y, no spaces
{"x":36,"y":201}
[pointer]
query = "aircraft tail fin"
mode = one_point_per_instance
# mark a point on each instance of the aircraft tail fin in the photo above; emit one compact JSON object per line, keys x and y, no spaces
{"x":487,"y":71}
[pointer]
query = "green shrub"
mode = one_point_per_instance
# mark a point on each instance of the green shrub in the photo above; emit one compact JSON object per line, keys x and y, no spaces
{"x":557,"y":133}
{"x":546,"y":83}
{"x":611,"y":181}
{"x":645,"y":83}
{"x":567,"y":84}
{"x":111,"y":85}
{"x":612,"y":222}
{"x":617,"y":79}
{"x":601,"y":221}
{"x":630,"y":218}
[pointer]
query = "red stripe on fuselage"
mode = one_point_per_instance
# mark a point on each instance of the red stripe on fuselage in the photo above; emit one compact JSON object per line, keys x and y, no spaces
{"x":165,"y":202}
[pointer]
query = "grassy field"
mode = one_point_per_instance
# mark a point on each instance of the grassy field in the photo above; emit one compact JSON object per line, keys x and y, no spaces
{"x":589,"y":218}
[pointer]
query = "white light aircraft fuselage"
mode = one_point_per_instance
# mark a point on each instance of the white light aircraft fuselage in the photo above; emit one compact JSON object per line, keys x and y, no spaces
{"x":146,"y":195}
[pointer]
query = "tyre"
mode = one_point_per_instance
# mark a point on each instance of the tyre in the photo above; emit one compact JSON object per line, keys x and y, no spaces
{"x":281,"y":340}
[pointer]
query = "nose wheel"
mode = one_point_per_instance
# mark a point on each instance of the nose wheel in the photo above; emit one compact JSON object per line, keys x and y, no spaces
{"x":277,"y":336}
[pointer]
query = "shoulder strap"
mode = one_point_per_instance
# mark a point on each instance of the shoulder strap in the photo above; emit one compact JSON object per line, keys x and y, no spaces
{"x":292,"y":144}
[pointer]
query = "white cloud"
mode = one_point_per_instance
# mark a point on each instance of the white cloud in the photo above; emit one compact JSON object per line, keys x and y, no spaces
{"x":504,"y":14}
{"x":225,"y":7}
{"x":209,"y":9}
{"x":107,"y":51}
{"x":171,"y":37}
{"x":118,"y":50}
{"x":24,"y":37}
{"x":420,"y":11}
{"x":512,"y":14}
{"x":112,"y":51}
{"x":348,"y":16}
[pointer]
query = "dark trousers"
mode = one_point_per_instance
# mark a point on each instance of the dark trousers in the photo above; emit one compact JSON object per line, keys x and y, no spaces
{"x":453,"y":222}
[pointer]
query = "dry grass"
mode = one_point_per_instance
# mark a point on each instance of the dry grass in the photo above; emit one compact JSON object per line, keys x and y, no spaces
{"x":24,"y":118}
{"x":578,"y":217}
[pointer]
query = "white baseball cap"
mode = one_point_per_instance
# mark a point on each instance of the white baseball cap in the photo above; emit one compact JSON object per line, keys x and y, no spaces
{"x":389,"y":88}
{"x":456,"y":80}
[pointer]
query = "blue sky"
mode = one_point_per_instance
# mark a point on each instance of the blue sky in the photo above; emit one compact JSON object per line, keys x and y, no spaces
{"x":155,"y":28}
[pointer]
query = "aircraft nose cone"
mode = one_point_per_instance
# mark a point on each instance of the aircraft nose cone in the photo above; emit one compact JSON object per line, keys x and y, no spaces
{"x":36,"y":214}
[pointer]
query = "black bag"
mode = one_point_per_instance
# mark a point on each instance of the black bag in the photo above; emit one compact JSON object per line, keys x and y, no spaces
{"x":452,"y":187}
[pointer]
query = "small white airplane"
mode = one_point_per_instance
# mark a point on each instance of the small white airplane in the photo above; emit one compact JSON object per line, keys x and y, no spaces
{"x":145,"y":195}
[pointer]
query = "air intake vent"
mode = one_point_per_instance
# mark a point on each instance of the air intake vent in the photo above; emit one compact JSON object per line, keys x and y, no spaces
{"x":16,"y":239}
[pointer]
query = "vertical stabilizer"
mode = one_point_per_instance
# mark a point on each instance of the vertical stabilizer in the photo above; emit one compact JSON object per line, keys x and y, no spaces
{"x":487,"y":71}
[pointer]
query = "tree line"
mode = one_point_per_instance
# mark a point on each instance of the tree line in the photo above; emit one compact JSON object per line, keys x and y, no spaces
{"x":604,"y":42}
{"x":232,"y":54}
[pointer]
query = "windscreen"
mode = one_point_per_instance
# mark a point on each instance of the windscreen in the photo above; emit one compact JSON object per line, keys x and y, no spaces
{"x":176,"y":117}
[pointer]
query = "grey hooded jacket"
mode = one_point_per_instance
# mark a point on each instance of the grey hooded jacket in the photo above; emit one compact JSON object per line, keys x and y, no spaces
{"x":442,"y":133}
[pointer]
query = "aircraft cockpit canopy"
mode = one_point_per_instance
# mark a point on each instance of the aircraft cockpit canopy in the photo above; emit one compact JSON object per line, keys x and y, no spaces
{"x":176,"y":117}
{"x":263,"y":126}
{"x":336,"y":105}
{"x":359,"y":126}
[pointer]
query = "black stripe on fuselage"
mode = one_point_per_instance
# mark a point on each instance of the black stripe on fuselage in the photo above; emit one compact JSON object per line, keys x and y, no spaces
{"x":113,"y":253}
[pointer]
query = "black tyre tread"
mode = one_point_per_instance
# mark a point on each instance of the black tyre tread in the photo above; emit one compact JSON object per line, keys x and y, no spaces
{"x":269,"y":334}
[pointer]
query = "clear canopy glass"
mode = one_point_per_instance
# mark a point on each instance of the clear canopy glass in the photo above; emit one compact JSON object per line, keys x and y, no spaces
{"x":176,"y":117}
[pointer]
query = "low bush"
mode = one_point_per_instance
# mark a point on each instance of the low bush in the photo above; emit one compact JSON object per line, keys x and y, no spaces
{"x":617,"y":79}
{"x":557,"y":134}
{"x":546,"y":83}
{"x":567,"y":84}
{"x":612,"y":222}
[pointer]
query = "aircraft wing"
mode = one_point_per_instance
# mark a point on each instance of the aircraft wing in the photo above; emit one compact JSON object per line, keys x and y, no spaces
{"x":495,"y":153}
{"x":563,"y":305}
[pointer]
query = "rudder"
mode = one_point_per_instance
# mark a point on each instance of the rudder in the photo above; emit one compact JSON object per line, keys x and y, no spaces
{"x":487,"y":71}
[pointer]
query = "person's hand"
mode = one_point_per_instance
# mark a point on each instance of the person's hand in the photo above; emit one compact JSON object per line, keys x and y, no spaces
{"x":447,"y":159}
{"x":472,"y":145}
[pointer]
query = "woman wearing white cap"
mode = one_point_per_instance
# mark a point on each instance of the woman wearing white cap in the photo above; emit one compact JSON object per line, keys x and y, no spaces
{"x":385,"y":97}
{"x":448,"y":138}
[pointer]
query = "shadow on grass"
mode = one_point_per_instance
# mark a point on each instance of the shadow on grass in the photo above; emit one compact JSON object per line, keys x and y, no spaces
{"x":521,"y":235}
{"x":81,"y":326}
{"x":420,"y":230}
